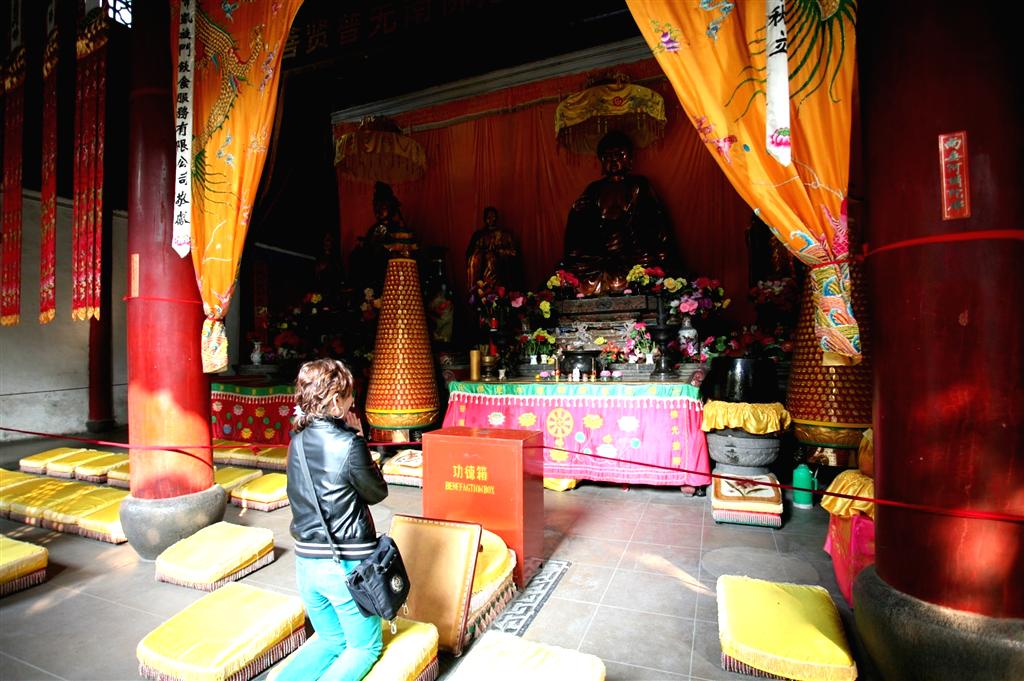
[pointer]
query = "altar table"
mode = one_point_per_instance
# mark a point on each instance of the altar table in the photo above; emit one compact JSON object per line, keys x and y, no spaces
{"x":624,"y":424}
{"x":257,"y":414}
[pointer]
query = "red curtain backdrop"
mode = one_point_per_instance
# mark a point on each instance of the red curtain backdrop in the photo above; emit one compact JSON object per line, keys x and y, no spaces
{"x":87,"y":220}
{"x":10,"y":261}
{"x":499,"y":149}
{"x":48,"y":201}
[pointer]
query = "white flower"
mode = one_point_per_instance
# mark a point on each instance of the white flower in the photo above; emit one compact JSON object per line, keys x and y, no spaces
{"x":629,"y":424}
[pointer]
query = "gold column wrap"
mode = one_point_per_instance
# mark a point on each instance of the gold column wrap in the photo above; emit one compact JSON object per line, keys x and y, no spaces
{"x":830,"y":405}
{"x":403,"y":391}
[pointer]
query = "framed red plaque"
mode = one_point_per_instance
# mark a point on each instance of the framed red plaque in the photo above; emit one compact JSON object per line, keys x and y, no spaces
{"x":953,"y":169}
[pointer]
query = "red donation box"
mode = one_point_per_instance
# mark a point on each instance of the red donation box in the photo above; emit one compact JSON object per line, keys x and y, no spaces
{"x":493,"y":477}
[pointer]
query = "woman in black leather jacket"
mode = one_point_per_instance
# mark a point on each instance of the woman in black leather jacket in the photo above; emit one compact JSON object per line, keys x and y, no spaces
{"x":345,"y":482}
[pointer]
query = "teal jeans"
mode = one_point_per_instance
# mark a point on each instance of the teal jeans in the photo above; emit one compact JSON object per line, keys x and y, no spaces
{"x":348,"y":643}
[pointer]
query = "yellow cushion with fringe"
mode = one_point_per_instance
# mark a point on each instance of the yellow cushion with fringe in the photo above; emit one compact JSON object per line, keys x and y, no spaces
{"x":273,"y":457}
{"x":19,"y":558}
{"x":789,"y":630}
{"x":69,"y":511}
{"x":23,"y":487}
{"x":406,"y":655}
{"x":101,"y":466}
{"x":66,"y":465}
{"x":559,"y":484}
{"x":264,"y":489}
{"x":492,"y":562}
{"x":754,"y":493}
{"x":213,"y":553}
{"x":104,"y":524}
{"x":244,"y":456}
{"x":230,"y":477}
{"x":220,"y":634}
{"x":498,"y":656}
{"x":11,"y":478}
{"x":757,"y":418}
{"x":32,"y":503}
{"x":120,"y":473}
{"x":856,"y":484}
{"x":408,"y":462}
{"x":38,"y":462}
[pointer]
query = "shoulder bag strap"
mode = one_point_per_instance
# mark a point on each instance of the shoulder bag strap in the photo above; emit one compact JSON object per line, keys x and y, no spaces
{"x":312,"y":490}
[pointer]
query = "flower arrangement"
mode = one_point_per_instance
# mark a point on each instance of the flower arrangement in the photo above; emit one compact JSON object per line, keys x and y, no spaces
{"x":610,"y":352}
{"x":638,"y":342}
{"x":779,"y":292}
{"x":750,"y":342}
{"x":537,"y":342}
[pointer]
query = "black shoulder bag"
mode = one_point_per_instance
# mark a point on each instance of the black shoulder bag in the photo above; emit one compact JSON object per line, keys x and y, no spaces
{"x":379,"y":585}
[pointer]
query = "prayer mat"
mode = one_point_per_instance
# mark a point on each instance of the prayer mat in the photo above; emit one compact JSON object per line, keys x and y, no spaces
{"x":231,"y":634}
{"x":28,"y":507}
{"x":493,"y":586}
{"x":410,"y":654}
{"x":37,"y":462}
{"x":230,"y":477}
{"x":498,"y":656}
{"x":404,"y":468}
{"x":119,"y":476}
{"x":97,"y":470}
{"x":265,"y":493}
{"x":517,"y":617}
{"x":64,"y":516}
{"x":748,"y":501}
{"x":273,"y":459}
{"x":21,"y":565}
{"x":65,"y":466}
{"x":215,"y":555}
{"x":104,"y":525}
{"x":11,"y":478}
{"x":21,"y":487}
{"x":786,"y":631}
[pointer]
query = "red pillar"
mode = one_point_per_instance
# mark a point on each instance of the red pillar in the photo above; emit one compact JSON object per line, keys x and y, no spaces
{"x":168,"y":394}
{"x":949,"y":363}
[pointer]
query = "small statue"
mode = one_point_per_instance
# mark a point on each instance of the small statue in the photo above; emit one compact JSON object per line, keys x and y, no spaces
{"x":385,"y":238}
{"x":617,"y":222}
{"x":492,"y":254}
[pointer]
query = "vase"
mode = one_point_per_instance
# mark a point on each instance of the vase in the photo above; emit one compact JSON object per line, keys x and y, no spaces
{"x":543,"y":359}
{"x":256,"y":357}
{"x":649,"y":358}
{"x":738,"y":379}
{"x":533,"y":359}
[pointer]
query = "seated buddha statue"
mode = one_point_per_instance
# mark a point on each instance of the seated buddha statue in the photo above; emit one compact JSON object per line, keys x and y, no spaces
{"x":386,"y":238}
{"x":617,"y":222}
{"x":492,"y":254}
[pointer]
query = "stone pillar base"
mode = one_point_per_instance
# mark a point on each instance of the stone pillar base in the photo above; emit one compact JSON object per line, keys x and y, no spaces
{"x":152,"y":525}
{"x":908,"y":638}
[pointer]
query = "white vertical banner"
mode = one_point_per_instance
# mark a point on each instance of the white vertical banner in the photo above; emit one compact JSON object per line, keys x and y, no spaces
{"x":181,"y":238}
{"x":777,"y":132}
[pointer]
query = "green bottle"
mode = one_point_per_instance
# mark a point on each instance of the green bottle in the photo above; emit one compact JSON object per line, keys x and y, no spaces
{"x":804,"y":481}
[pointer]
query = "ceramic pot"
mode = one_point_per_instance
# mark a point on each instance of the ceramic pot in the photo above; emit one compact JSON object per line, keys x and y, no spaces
{"x":584,"y":360}
{"x":256,"y":357}
{"x":739,"y":379}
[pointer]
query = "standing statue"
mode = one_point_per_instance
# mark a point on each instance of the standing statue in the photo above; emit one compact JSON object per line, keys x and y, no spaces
{"x":492,"y":254}
{"x":617,"y":222}
{"x":383,"y":239}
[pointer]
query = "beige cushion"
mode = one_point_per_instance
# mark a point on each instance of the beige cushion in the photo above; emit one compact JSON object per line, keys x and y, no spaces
{"x":497,"y":656}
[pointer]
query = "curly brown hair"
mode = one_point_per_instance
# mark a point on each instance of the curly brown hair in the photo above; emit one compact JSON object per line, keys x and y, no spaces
{"x":319,"y":384}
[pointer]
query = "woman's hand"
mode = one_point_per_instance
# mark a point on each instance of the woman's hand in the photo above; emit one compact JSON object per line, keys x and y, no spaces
{"x":353,"y":422}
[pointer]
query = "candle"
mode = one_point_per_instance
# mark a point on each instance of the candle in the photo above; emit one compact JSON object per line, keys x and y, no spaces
{"x":474,"y":365}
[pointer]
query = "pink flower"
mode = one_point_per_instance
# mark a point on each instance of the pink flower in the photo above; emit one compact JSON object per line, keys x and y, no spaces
{"x":687,"y":305}
{"x":517,"y":302}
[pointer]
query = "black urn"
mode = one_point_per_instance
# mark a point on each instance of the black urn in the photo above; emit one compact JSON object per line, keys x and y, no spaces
{"x":584,"y":360}
{"x":740,"y":379}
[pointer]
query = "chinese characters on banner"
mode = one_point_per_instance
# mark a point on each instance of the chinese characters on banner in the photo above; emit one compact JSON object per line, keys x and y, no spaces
{"x":776,"y":129}
{"x":181,"y":236}
{"x":953,"y":168}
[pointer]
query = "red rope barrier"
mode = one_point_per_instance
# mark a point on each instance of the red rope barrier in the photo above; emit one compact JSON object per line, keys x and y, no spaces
{"x":938,"y":510}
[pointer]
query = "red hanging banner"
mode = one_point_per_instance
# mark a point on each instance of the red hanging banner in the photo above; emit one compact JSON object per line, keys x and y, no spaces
{"x":10,"y":260}
{"x":87,"y":216}
{"x":48,"y":200}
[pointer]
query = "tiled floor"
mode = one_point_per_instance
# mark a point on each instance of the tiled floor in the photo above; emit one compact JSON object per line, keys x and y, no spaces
{"x":640,"y":592}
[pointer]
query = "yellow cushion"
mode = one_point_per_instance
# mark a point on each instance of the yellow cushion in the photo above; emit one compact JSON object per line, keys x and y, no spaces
{"x":221,"y":633}
{"x":68,"y":511}
{"x":105,"y":522}
{"x":497,"y":656}
{"x":67,"y":464}
{"x":749,"y":494}
{"x":790,"y":630}
{"x":31,"y":504}
{"x":264,"y":489}
{"x":17,"y":489}
{"x":10,"y":478}
{"x":42,"y":459}
{"x":756,"y":418}
{"x":273,"y":457}
{"x":242,"y":456}
{"x":122,"y":473}
{"x":493,"y":562}
{"x":19,"y":558}
{"x":856,"y":484}
{"x":102,"y":465}
{"x":406,"y":654}
{"x":230,"y":477}
{"x":213,"y":553}
{"x":407,"y":462}
{"x":560,"y":484}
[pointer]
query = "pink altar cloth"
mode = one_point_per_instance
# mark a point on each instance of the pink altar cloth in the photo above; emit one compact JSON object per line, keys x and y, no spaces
{"x":851,"y":543}
{"x":625,"y":425}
